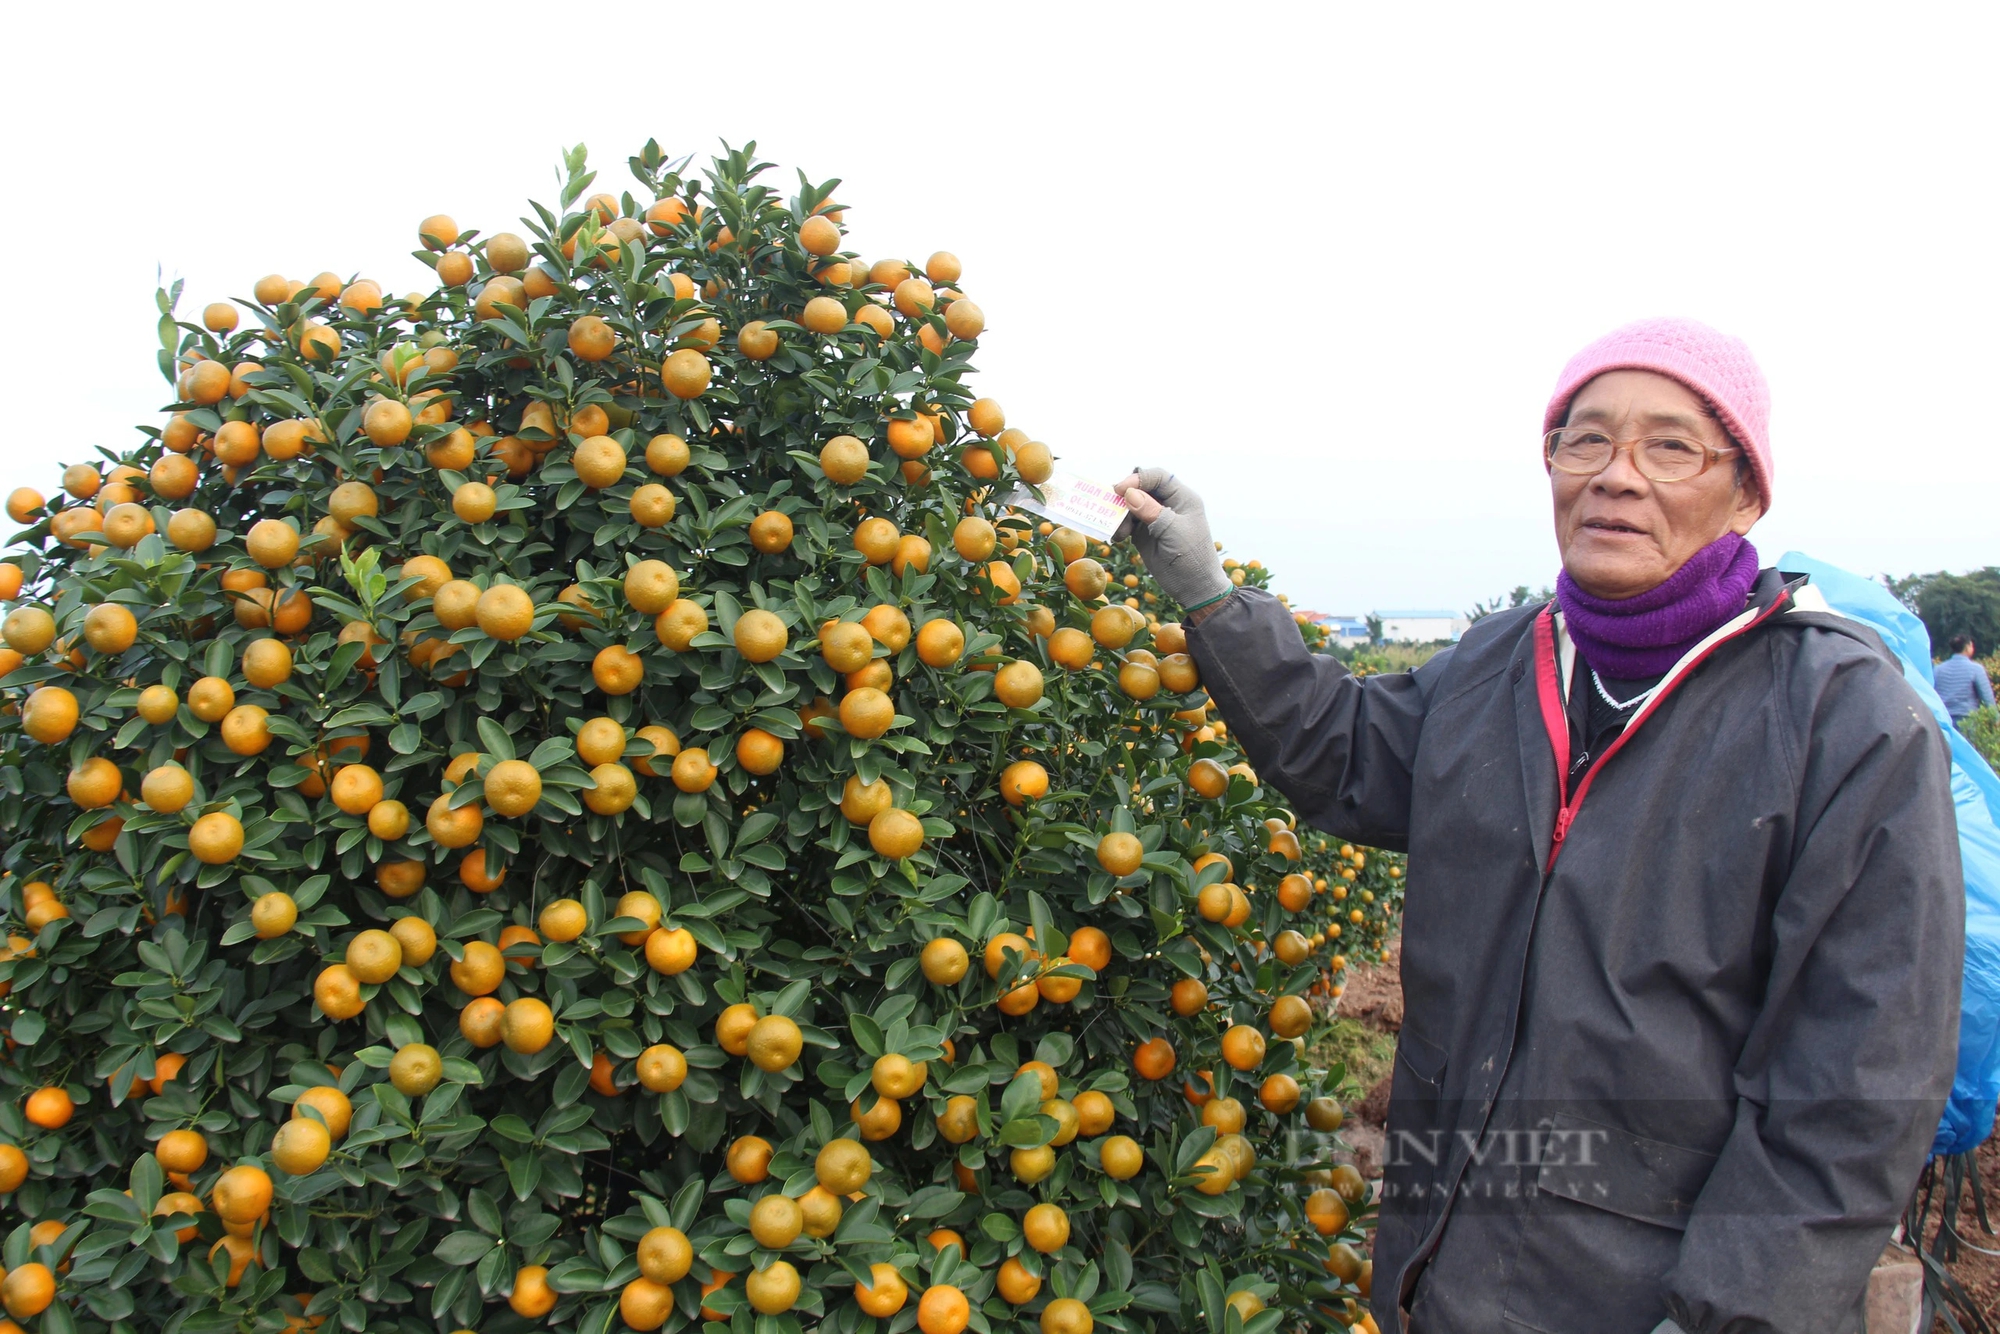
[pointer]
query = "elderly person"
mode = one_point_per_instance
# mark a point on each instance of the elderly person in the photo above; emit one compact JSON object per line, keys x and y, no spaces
{"x":1684,"y":927}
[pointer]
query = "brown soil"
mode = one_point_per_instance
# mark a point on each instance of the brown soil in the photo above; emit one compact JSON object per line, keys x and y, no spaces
{"x":1373,"y":998}
{"x":1374,"y":992}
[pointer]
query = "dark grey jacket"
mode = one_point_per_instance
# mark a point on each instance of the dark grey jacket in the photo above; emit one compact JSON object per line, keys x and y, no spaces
{"x":1675,"y":1039}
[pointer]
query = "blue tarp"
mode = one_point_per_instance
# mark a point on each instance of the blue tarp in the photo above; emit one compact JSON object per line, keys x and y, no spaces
{"x":1968,"y":1116}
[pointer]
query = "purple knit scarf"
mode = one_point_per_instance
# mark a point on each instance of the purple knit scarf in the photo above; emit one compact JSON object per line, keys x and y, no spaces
{"x":1643,"y":636}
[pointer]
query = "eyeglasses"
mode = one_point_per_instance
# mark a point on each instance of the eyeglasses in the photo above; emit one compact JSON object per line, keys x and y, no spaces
{"x":1586,"y":451}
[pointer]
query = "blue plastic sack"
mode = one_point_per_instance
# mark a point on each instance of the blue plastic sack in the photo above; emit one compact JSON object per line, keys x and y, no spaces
{"x":1968,"y":1116}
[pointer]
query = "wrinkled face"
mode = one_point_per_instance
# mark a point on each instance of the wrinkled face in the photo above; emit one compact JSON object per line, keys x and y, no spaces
{"x":1621,"y":534}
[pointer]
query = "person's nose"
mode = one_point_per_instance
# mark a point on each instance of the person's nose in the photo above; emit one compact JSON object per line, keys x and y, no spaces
{"x":1621,"y":476}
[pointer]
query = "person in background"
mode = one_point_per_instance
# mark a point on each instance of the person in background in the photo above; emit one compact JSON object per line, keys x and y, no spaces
{"x":1685,"y":922}
{"x":1961,"y":681}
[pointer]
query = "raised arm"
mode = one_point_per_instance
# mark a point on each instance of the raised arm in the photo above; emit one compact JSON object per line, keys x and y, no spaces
{"x":1340,"y":747}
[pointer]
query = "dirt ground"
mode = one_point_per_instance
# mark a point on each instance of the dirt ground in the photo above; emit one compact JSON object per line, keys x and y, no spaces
{"x":1369,"y":1014}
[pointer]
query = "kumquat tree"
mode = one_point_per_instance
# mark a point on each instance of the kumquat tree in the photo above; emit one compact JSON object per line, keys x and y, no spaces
{"x":567,"y":800}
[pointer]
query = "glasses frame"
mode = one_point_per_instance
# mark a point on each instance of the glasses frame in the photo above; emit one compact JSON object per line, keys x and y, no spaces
{"x":1709,"y":456}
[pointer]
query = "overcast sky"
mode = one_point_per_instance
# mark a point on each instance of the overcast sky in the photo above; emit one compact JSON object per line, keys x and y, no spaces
{"x":1324,"y":262}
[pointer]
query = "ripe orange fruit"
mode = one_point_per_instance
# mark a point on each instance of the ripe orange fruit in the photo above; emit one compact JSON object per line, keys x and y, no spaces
{"x":1279,"y":1093}
{"x":454,"y":828}
{"x":749,"y":1159}
{"x":773,"y":1043}
{"x":474,"y":502}
{"x":273,"y":914}
{"x":241,"y":1194}
{"x":416,"y":1069}
{"x":1015,"y":1284}
{"x":774,"y":1289}
{"x":28,"y":1290}
{"x":374,"y":956}
{"x":300,"y":1147}
{"x":532,"y":1297}
{"x":685,"y":373}
{"x":671,"y":952}
{"x":844,"y":460}
{"x":108,"y":627}
{"x":95,"y":783}
{"x":1022,"y":781}
{"x":867,"y":713}
{"x":50,"y":1108}
{"x":661,"y":1068}
{"x":330,"y":1105}
{"x":1065,"y":1315}
{"x":732,"y":1028}
{"x":591,"y":338}
{"x":399,"y":880}
{"x":49,"y":715}
{"x":356,"y":789}
{"x":1208,"y":778}
{"x":1046,"y":1228}
{"x":644,"y":1304}
{"x":665,"y":1255}
{"x":1243,"y":1047}
{"x":1290,"y":1016}
{"x":896,"y":834}
{"x":178,"y":1202}
{"x":181,"y":1151}
{"x":876,"y":539}
{"x":337,"y":992}
{"x":599,"y":462}
{"x":1154,"y":1059}
{"x":944,"y":961}
{"x":480,"y":969}
{"x":885,"y":1292}
{"x":388,"y":819}
{"x":513,"y":787}
{"x":1018,"y":685}
{"x":505,"y":611}
{"x":210,"y":698}
{"x":776,"y":1221}
{"x":879,"y":1121}
{"x":964,"y":319}
{"x":528,"y":1025}
{"x":760,"y":636}
{"x":216,"y":838}
{"x":28,"y":630}
{"x":943,"y":1309}
{"x":481,"y":1022}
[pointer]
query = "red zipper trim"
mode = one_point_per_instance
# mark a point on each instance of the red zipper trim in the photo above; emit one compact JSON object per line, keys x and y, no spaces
{"x":1548,"y":688}
{"x":1556,"y":719}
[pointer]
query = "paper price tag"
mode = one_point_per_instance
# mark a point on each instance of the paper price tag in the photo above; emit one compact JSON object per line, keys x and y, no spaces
{"x":1092,"y":508}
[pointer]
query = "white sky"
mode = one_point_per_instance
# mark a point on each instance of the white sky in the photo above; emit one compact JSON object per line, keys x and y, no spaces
{"x":1323,"y":262}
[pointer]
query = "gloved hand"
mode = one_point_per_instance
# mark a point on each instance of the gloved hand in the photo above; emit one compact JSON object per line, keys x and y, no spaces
{"x":1169,"y":527}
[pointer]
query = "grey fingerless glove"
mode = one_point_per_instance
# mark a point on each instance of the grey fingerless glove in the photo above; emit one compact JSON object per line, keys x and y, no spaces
{"x":1177,"y":548}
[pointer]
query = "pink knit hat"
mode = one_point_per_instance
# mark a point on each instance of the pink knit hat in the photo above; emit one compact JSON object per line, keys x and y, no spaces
{"x":1714,"y":365}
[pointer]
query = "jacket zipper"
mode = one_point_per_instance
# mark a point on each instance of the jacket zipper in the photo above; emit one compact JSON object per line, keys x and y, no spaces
{"x":1555,"y":718}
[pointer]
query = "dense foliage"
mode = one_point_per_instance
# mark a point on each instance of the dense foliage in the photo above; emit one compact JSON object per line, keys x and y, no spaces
{"x":567,"y":799}
{"x":1955,"y":604}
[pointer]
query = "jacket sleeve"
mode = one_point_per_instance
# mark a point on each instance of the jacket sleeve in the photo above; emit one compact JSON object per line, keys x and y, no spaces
{"x":1340,"y":747}
{"x":1845,"y":1072}
{"x":1982,"y":686}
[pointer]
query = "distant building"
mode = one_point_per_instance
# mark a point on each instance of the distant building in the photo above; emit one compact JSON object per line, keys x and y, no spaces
{"x":1420,"y":627}
{"x":1346,"y":631}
